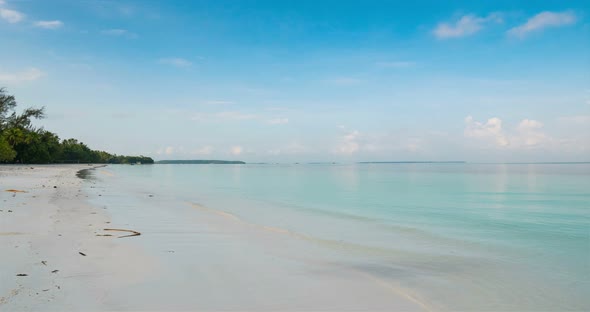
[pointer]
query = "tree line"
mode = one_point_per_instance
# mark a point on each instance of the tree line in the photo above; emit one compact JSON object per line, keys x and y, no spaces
{"x":21,"y":142}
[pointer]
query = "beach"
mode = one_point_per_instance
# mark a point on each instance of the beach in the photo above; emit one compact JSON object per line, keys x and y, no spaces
{"x":55,"y":258}
{"x":52,"y":258}
{"x":418,"y":237}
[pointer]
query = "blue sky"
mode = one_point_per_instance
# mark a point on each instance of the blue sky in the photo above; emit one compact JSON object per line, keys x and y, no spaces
{"x":307,"y":80}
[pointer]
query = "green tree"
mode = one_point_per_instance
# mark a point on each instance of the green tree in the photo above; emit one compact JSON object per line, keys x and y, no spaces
{"x":22,"y":142}
{"x":7,"y":153}
{"x":10,"y":119}
{"x":13,"y":136}
{"x":44,"y":147}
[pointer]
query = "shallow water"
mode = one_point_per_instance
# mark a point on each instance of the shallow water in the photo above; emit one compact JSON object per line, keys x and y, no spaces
{"x":444,"y":236}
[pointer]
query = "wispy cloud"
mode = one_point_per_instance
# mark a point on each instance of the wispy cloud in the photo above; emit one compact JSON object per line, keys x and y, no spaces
{"x":398,"y":64}
{"x":543,"y":20}
{"x":176,"y":62}
{"x":467,"y":25}
{"x":349,"y":143}
{"x":49,"y":24}
{"x":490,"y":130}
{"x":11,"y":16}
{"x":117,"y":32}
{"x":22,"y":76}
{"x":528,"y":133}
{"x":278,"y":121}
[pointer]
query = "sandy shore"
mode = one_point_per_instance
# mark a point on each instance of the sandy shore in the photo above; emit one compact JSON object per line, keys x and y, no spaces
{"x":56,"y":257}
{"x":52,"y":258}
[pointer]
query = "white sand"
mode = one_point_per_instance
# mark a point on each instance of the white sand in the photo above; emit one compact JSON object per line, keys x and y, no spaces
{"x":52,"y":225}
{"x":218,"y":263}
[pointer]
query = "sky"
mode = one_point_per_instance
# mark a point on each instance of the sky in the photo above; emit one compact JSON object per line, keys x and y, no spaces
{"x":296,"y":81}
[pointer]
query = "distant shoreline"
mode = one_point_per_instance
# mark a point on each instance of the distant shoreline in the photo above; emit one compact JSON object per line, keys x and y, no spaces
{"x":238,"y":162}
{"x":202,"y":162}
{"x":412,"y":162}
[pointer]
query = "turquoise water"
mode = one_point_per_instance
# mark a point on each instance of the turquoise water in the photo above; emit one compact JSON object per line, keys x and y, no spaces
{"x":460,"y":236}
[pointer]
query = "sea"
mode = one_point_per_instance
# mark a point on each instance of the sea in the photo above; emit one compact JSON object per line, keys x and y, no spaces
{"x":364,"y":236}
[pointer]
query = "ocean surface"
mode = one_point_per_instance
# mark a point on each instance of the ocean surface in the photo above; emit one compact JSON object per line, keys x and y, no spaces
{"x":446,"y":237}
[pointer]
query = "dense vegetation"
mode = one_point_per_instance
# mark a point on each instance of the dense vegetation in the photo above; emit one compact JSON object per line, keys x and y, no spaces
{"x":21,"y":142}
{"x":216,"y":162}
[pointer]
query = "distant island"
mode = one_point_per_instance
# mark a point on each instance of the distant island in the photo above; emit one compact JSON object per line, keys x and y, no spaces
{"x":202,"y":162}
{"x":412,"y":162}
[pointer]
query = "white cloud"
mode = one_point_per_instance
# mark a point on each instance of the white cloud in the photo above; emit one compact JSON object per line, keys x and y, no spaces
{"x":528,"y":133}
{"x":11,"y":16}
{"x":491,"y":130}
{"x":543,"y":20}
{"x":400,"y":64}
{"x":278,"y":121}
{"x":177,"y":62}
{"x":529,"y":125}
{"x":349,"y":143}
{"x":119,"y":33}
{"x":236,"y":150}
{"x":49,"y":24}
{"x":465,"y":26}
{"x":30,"y":74}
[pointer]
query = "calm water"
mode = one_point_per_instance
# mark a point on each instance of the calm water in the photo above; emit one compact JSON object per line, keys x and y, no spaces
{"x":461,"y":236}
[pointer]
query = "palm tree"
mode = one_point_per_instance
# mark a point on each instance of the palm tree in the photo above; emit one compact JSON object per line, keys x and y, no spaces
{"x":13,"y":136}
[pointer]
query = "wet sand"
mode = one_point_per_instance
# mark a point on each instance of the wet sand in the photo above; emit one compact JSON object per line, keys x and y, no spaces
{"x":188,"y":258}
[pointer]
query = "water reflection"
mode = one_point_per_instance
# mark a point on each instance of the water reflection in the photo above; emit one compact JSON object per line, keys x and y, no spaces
{"x":86,"y":174}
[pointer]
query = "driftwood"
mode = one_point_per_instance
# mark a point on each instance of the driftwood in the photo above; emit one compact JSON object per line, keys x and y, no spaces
{"x":133,"y":233}
{"x":15,"y":191}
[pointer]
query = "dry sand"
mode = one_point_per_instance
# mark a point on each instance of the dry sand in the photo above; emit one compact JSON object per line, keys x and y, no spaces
{"x":44,"y":232}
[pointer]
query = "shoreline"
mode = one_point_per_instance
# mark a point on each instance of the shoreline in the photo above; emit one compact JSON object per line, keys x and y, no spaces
{"x":56,"y":236}
{"x":203,"y":247}
{"x":52,"y":256}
